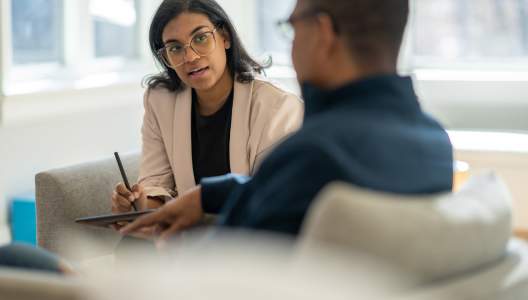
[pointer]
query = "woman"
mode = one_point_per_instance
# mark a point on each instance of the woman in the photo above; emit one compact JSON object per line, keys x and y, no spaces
{"x":206,"y":114}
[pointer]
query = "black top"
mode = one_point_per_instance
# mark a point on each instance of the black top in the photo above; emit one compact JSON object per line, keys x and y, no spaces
{"x":210,"y":140}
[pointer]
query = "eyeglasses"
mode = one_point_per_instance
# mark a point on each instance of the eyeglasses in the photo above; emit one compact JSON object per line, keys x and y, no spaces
{"x":286,"y":26}
{"x":202,"y":43}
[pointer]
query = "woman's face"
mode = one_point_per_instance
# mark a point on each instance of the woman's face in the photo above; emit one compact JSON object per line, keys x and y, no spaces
{"x":198,"y":72}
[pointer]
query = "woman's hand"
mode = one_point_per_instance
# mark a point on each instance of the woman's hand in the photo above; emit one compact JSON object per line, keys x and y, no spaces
{"x":173,"y":217}
{"x":122,"y":198}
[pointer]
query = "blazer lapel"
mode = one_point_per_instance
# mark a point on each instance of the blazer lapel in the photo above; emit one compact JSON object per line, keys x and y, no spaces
{"x":182,"y":143}
{"x":239,"y":136}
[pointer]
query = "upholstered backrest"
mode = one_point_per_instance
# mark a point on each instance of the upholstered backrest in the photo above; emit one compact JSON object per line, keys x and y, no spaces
{"x":78,"y":191}
{"x":434,"y":236}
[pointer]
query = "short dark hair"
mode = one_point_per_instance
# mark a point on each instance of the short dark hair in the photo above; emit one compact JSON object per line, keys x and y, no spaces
{"x":241,"y":66}
{"x":373,"y":29}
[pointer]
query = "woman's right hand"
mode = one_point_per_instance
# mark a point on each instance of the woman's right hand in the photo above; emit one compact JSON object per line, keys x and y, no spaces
{"x":122,"y":198}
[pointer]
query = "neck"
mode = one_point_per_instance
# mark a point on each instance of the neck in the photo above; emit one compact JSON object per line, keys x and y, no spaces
{"x":210,"y":101}
{"x":343,"y":71}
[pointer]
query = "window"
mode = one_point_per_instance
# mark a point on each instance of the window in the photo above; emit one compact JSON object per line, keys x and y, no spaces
{"x":36,"y":27}
{"x":115,"y":28}
{"x":59,"y":44}
{"x":469,"y":58}
{"x":470,"y":33}
{"x":443,"y":34}
{"x":270,"y":40}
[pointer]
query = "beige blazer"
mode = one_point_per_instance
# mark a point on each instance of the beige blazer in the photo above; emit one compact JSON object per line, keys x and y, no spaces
{"x":262,"y":116}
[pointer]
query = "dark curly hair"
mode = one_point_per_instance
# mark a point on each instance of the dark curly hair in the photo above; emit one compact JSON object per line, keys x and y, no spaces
{"x":241,"y":66}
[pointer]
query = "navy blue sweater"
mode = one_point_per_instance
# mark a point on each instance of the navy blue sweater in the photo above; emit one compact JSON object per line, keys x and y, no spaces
{"x":371,"y":133}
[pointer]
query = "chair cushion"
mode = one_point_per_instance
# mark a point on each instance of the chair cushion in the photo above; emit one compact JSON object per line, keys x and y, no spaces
{"x":505,"y":279}
{"x":434,"y":236}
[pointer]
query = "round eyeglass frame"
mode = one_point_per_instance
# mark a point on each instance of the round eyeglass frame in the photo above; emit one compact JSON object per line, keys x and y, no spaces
{"x":162,"y":52}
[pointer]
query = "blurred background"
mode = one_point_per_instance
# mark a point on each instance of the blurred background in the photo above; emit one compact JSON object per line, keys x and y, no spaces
{"x":71,"y":73}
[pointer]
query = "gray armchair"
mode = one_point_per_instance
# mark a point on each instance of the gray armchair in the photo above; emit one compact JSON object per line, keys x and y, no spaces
{"x":62,"y":195}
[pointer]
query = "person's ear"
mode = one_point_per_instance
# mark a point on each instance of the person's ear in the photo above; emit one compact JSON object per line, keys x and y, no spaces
{"x":227,"y":39}
{"x":328,"y":36}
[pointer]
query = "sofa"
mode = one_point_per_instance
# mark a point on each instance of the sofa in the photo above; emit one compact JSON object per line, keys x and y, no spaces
{"x":455,"y":245}
{"x":24,"y":285}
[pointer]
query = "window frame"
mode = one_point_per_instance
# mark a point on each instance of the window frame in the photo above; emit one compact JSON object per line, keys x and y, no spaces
{"x":444,"y":90}
{"x":428,"y":64}
{"x":77,"y":63}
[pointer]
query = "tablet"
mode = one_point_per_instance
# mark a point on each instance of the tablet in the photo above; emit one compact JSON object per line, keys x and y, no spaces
{"x":107,"y":220}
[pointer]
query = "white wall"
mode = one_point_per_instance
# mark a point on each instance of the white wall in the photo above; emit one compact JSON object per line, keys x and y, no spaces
{"x":105,"y":120}
{"x":242,"y":13}
{"x":468,"y":100}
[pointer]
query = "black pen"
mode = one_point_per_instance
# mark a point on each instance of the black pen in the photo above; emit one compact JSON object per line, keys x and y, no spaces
{"x":123,"y":174}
